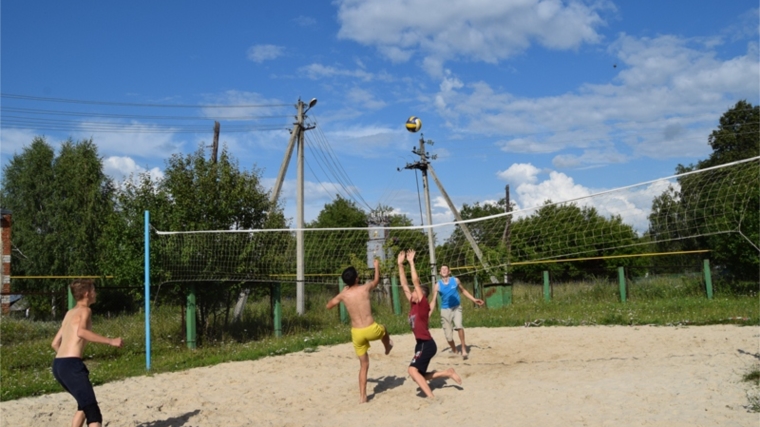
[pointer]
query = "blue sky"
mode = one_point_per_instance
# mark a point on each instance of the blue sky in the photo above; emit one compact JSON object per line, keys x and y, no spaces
{"x":557,"y":99}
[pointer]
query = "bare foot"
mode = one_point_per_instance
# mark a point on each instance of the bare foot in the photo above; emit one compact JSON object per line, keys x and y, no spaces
{"x":363,"y":399}
{"x":465,"y":356}
{"x":389,"y":347}
{"x":454,"y":376}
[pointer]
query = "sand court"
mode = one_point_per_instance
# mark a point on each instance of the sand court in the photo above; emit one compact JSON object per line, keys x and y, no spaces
{"x":536,"y":376}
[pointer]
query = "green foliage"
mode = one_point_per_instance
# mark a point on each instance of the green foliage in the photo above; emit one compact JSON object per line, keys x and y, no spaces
{"x":60,"y":204}
{"x":699,"y":215}
{"x":340,"y":213}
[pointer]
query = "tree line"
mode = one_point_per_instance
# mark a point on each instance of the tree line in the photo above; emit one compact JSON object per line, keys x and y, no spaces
{"x":71,"y":219}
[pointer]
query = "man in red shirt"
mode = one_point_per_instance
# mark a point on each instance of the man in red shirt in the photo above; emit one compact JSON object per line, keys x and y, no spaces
{"x":419,"y":319}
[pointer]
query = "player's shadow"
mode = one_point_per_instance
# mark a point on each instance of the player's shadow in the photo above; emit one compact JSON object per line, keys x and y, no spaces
{"x":439,"y":383}
{"x":755,"y":355}
{"x":172,"y":422}
{"x":459,"y":349}
{"x":384,"y":384}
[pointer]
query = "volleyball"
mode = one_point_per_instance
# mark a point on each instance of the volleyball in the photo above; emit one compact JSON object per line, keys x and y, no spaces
{"x":413,"y":124}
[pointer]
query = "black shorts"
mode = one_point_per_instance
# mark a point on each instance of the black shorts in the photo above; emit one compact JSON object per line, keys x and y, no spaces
{"x":424,"y":350}
{"x":73,"y":375}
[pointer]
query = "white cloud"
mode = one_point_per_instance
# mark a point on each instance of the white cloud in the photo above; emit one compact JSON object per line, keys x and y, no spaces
{"x":633,"y":204}
{"x":364,"y":98}
{"x":319,"y":71}
{"x":13,"y":141}
{"x":663,"y":103}
{"x":247,"y":100}
{"x":119,"y":168}
{"x":520,"y":173}
{"x":264,"y":52}
{"x":485,"y":30}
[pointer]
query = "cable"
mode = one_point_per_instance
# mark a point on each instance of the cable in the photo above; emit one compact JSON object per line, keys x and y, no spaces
{"x":128,"y":104}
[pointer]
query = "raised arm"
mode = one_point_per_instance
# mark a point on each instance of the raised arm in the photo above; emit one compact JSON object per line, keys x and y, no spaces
{"x":376,"y":280}
{"x":402,"y":275}
{"x":468,"y":295}
{"x":415,"y":278}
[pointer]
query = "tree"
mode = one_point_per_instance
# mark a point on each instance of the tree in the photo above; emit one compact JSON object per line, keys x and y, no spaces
{"x":567,"y":231}
{"x":59,"y":206}
{"x":457,"y":251}
{"x":328,"y":252}
{"x":707,"y":205}
{"x":205,"y":195}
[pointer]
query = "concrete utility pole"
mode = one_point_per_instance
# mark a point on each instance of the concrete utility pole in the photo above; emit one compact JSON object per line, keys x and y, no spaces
{"x":296,"y":136}
{"x":424,"y":166}
{"x":506,"y":237}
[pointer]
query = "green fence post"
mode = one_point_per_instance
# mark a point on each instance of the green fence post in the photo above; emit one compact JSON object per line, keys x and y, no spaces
{"x":394,"y":295}
{"x":507,"y":294}
{"x":277,"y":303}
{"x":191,"y":318}
{"x":342,"y":307}
{"x":72,"y":303}
{"x":708,"y":279}
{"x":547,"y":290}
{"x":621,"y":280}
{"x":476,"y":288}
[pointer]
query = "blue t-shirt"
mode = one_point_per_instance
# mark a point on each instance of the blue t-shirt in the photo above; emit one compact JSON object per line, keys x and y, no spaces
{"x":449,"y":293}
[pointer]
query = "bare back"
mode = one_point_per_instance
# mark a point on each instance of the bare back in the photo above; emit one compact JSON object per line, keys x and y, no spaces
{"x":357,"y":301}
{"x":71,"y":344}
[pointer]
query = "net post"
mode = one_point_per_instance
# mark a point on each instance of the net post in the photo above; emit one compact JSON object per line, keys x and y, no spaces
{"x":547,"y":289}
{"x":394,"y":295}
{"x":190,"y":318}
{"x":72,"y":303}
{"x":277,"y":302}
{"x":342,"y":307}
{"x":621,"y":282}
{"x":147,"y":290}
{"x":708,"y":279}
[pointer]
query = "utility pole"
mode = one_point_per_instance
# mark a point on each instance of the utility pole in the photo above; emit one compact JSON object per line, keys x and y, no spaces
{"x":506,"y":237}
{"x":215,"y":145}
{"x":424,"y":166}
{"x":296,"y":136}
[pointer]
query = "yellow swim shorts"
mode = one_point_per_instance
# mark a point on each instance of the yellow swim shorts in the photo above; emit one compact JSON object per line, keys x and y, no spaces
{"x":362,"y":336}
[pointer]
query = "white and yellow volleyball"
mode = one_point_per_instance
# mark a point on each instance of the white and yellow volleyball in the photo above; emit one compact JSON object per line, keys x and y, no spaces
{"x":413,"y":124}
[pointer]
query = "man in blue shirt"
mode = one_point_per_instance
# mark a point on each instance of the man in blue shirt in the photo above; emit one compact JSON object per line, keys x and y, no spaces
{"x":451,"y":308}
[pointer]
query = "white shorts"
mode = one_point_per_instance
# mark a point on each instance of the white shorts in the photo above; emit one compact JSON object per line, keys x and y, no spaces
{"x":451,"y":318}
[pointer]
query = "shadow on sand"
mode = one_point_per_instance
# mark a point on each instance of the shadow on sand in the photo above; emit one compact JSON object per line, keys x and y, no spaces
{"x":172,"y":422}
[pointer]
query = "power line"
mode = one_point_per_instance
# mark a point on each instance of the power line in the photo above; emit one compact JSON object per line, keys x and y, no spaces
{"x":129,"y":104}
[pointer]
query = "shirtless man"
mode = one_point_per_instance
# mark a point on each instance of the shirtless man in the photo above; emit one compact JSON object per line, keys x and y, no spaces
{"x":69,"y":343}
{"x":363,"y":326}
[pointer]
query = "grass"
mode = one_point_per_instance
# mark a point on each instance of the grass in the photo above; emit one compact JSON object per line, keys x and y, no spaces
{"x":26,"y":355}
{"x":753,"y":394}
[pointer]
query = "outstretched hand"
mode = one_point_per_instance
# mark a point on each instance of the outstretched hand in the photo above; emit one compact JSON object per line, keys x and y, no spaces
{"x":401,"y":257}
{"x":410,"y":255}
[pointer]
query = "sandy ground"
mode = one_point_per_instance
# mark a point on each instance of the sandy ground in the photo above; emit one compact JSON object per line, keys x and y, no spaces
{"x":537,"y":376}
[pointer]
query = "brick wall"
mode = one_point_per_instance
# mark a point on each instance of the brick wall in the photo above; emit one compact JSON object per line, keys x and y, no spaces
{"x":5,"y":273}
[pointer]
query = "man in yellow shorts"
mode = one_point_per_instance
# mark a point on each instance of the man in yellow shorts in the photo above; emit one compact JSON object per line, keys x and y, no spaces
{"x":363,"y":326}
